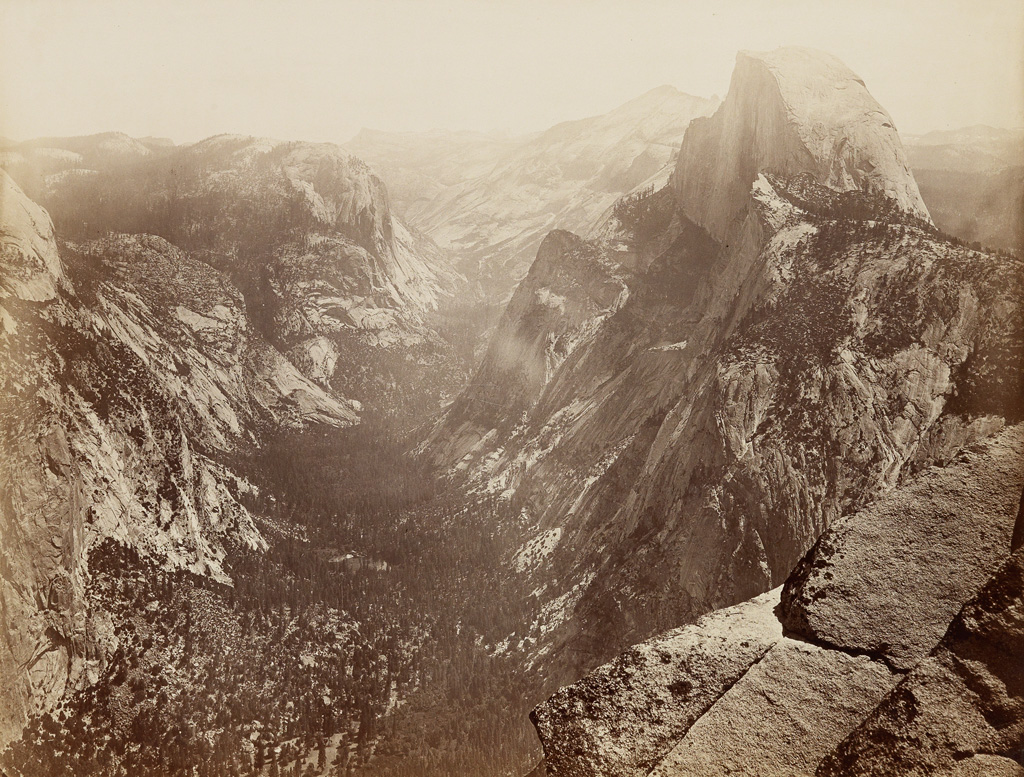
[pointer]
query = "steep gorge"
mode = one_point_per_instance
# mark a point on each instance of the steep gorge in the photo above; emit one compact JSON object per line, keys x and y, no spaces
{"x":491,"y":201}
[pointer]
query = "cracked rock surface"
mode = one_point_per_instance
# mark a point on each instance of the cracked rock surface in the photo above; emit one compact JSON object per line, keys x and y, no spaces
{"x":865,"y":683}
{"x":961,"y":710}
{"x":872,"y":583}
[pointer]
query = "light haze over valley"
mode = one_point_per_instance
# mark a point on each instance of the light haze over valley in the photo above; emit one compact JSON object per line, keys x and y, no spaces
{"x":508,"y":389}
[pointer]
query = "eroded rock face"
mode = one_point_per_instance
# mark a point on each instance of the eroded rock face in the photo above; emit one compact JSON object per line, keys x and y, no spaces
{"x":124,"y":389}
{"x":781,"y":715}
{"x":148,"y":293}
{"x":623,"y":717}
{"x":961,"y":710}
{"x":571,"y":288}
{"x":775,"y":703}
{"x":30,"y":267}
{"x":790,"y":111}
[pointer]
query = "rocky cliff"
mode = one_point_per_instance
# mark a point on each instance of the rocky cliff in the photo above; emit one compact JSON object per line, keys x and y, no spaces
{"x":796,"y":342}
{"x":893,"y":648}
{"x":959,"y":711}
{"x":132,"y":376}
{"x":304,"y":231}
{"x":790,"y":111}
{"x":571,"y":288}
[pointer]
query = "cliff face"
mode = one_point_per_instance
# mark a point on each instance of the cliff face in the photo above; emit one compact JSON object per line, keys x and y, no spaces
{"x":857,"y":670}
{"x":844,"y":366}
{"x":783,"y":358}
{"x":571,"y":288}
{"x":790,"y":111}
{"x":303,"y":230}
{"x":132,"y":375}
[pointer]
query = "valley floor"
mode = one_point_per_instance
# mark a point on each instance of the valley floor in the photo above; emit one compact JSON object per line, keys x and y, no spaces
{"x":362,"y":642}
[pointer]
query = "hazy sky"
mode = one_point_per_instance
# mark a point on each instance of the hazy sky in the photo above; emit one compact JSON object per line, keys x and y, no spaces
{"x":321,"y":70}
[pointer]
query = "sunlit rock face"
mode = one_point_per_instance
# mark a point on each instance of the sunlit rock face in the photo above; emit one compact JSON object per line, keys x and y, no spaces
{"x":131,"y":374}
{"x":30,"y":267}
{"x":790,"y":111}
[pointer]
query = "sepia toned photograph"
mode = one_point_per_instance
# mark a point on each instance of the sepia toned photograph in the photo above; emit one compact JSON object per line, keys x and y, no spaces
{"x":511,"y":388}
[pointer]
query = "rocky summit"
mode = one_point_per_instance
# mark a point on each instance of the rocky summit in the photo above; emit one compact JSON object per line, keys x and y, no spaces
{"x":791,"y":111}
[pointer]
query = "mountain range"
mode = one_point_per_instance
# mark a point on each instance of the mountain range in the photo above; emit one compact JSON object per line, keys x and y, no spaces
{"x":973,"y":180}
{"x":694,"y":427}
{"x":491,"y":201}
{"x":713,"y":396}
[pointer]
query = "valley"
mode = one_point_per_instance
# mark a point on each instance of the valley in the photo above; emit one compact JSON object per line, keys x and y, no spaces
{"x":301,"y":661}
{"x":682,"y":439}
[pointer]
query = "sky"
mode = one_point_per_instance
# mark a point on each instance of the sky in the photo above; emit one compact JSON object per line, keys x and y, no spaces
{"x":322,"y":70}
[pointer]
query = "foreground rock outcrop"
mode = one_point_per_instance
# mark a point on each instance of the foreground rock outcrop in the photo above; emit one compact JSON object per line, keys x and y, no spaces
{"x":882,"y":684}
{"x":961,"y":710}
{"x":953,"y":519}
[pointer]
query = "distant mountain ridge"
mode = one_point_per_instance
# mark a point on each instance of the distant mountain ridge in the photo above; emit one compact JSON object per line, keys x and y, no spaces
{"x":305,"y":230}
{"x":973,"y":179}
{"x":566,"y":177}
